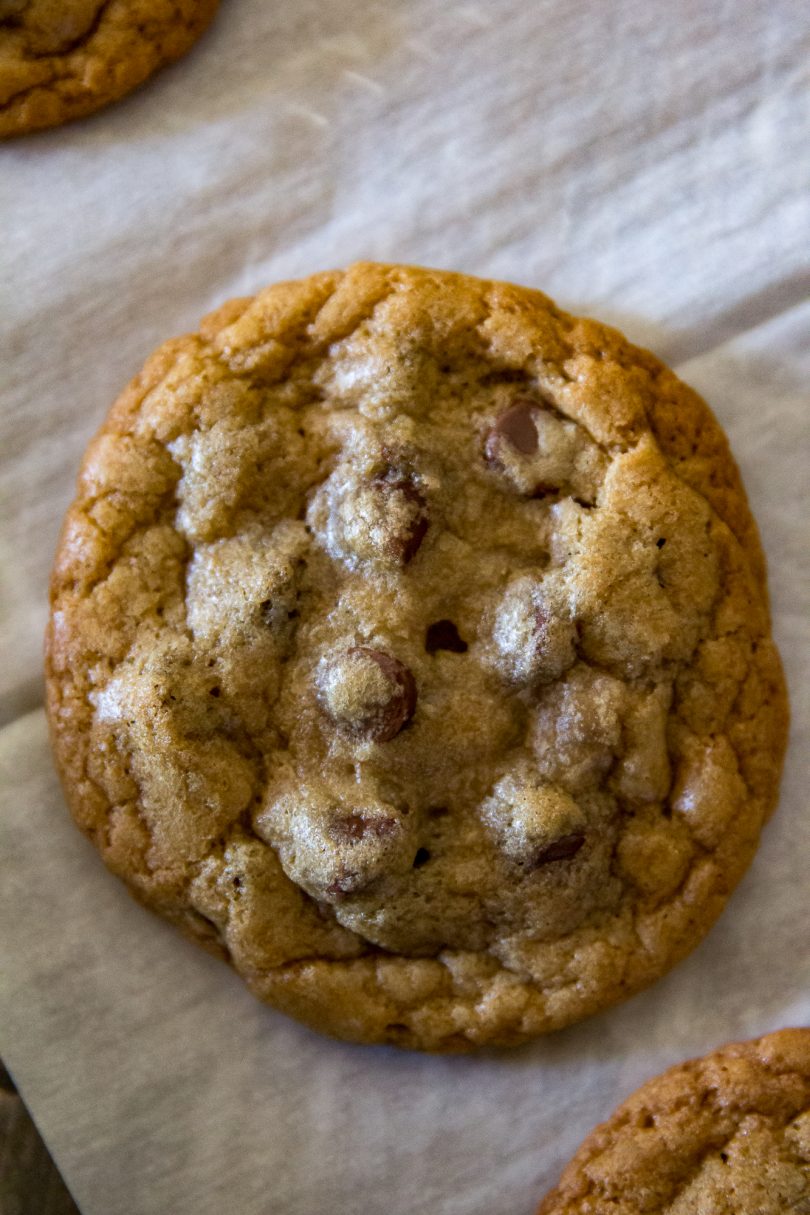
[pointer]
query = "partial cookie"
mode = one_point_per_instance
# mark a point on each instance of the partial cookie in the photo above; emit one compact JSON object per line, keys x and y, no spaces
{"x":410,"y":648}
{"x":725,"y":1135}
{"x":62,"y":59}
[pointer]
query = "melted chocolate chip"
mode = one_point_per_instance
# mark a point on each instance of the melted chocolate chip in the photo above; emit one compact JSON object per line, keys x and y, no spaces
{"x":516,"y":427}
{"x":559,"y":850}
{"x":404,"y":545}
{"x":384,"y":722}
{"x":351,"y":827}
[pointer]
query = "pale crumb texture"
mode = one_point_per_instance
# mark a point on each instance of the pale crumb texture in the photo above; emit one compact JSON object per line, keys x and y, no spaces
{"x":725,"y":1135}
{"x":410,"y":648}
{"x":62,"y":59}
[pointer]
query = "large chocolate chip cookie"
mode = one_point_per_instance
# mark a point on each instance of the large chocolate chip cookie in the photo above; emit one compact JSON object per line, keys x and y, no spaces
{"x":410,"y":648}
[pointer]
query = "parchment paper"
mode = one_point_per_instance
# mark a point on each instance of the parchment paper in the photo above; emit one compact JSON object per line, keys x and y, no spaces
{"x":646,"y":163}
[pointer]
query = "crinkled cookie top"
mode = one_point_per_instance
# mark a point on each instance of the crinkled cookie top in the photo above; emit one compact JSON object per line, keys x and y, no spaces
{"x":410,"y":646}
{"x":724,"y":1135}
{"x":61,"y":59}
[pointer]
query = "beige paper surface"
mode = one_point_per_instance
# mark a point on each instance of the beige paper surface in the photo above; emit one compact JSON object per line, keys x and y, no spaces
{"x":646,"y":163}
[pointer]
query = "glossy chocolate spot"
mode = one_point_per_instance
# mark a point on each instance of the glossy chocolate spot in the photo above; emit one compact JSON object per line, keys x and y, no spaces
{"x":516,"y":427}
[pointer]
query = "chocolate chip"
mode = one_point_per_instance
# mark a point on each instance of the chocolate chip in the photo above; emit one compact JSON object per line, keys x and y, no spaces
{"x":347,"y":883}
{"x":404,"y":544}
{"x":400,"y":708}
{"x":348,"y":880}
{"x":443,"y":635}
{"x":352,"y":827}
{"x":559,"y":850}
{"x":342,"y":694}
{"x":516,"y":427}
{"x":533,"y":641}
{"x":422,"y":857}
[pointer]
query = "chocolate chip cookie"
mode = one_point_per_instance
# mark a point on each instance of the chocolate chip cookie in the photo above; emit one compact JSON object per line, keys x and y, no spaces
{"x":725,"y":1135}
{"x":409,"y":648}
{"x":62,"y":59}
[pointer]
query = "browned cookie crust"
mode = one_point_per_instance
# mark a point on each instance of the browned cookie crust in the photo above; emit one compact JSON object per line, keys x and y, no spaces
{"x":410,"y":648}
{"x":724,"y":1135}
{"x":61,"y":59}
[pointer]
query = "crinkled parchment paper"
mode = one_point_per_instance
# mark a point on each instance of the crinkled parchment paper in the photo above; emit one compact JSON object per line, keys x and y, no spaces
{"x":646,"y":163}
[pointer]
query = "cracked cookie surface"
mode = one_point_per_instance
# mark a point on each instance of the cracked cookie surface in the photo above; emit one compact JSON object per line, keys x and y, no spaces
{"x":409,"y":647}
{"x":62,"y":59}
{"x":728,"y":1134}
